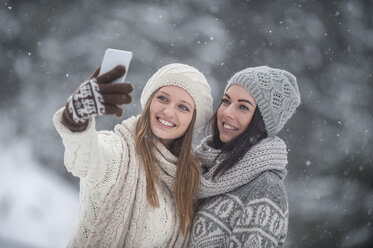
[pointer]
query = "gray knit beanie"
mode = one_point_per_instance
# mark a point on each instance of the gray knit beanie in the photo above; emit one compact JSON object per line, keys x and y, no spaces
{"x":188,"y":78}
{"x":275,"y":92}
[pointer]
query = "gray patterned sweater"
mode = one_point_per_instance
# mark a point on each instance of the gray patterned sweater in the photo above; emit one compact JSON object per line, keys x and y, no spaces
{"x":247,"y":206}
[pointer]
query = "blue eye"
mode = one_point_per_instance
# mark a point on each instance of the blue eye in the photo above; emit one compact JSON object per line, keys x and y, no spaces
{"x":162,"y":98}
{"x":244,"y":107}
{"x":225,"y":101}
{"x":184,"y":108}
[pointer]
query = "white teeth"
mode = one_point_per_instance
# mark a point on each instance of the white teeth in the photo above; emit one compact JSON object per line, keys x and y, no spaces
{"x":229,"y":127}
{"x":167,"y":123}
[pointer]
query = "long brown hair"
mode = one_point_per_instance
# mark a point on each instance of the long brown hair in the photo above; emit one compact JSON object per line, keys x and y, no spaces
{"x":188,"y":169}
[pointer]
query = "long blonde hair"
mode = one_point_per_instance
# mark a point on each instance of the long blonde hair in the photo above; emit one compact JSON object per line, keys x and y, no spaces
{"x":188,"y":169}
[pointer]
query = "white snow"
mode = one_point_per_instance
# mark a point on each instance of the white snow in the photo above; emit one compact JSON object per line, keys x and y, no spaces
{"x":37,"y":208}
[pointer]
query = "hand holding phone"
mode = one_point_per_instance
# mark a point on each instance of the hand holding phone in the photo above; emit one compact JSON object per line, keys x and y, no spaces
{"x":114,"y":57}
{"x":96,"y":96}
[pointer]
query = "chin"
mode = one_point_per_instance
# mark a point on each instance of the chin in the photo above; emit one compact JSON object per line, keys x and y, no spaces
{"x":225,"y":139}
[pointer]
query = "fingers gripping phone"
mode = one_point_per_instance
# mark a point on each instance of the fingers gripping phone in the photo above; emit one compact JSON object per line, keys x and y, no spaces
{"x":114,"y":57}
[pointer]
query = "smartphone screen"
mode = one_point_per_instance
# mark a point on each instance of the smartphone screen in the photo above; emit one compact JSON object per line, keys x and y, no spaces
{"x":114,"y":57}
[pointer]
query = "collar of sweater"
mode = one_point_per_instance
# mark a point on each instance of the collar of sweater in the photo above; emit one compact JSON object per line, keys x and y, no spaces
{"x":268,"y":154}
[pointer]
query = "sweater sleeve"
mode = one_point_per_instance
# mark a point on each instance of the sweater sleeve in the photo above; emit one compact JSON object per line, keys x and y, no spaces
{"x":90,"y":155}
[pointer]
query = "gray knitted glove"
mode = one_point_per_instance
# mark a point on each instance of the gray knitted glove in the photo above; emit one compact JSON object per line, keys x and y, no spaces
{"x":96,"y":96}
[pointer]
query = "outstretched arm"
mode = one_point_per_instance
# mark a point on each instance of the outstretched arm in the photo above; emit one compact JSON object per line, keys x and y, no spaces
{"x":87,"y":154}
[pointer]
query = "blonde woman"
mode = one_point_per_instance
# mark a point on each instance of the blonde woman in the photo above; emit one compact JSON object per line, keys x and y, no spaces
{"x":137,"y":183}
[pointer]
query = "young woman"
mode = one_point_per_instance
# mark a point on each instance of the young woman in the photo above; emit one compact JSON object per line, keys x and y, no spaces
{"x":243,"y":201}
{"x":137,"y":183}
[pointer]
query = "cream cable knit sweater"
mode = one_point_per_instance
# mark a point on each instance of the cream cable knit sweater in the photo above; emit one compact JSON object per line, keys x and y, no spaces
{"x":114,"y":211}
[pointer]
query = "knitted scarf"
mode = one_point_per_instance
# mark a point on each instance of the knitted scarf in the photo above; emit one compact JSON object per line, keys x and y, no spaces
{"x":268,"y":154}
{"x":124,"y":212}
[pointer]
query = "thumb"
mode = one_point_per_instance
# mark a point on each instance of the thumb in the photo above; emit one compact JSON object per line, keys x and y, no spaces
{"x":95,"y":74}
{"x":111,"y":75}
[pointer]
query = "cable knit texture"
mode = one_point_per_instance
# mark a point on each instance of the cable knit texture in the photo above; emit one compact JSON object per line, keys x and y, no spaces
{"x":275,"y":92}
{"x":247,"y":205}
{"x":114,"y":211}
{"x":159,"y":222}
{"x":269,"y":154}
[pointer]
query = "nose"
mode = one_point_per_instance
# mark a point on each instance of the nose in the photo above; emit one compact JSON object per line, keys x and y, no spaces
{"x":168,"y":111}
{"x":229,"y":112}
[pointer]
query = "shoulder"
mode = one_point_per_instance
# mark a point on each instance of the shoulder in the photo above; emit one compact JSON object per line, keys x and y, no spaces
{"x":267,"y":187}
{"x":126,"y":129}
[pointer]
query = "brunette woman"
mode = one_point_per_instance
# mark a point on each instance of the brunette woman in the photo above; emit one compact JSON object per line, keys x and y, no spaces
{"x":137,"y":183}
{"x":243,"y":198}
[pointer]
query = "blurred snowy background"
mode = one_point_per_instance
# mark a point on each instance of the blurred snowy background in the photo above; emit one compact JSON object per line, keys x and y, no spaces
{"x":49,"y":47}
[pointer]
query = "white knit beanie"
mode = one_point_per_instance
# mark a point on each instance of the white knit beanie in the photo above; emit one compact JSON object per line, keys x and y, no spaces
{"x":188,"y":78}
{"x":275,"y":92}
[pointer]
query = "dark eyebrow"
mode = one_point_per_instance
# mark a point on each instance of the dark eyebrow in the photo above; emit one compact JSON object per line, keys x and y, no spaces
{"x":241,"y":100}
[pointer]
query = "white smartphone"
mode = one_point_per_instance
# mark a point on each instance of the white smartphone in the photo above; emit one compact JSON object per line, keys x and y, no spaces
{"x":114,"y":57}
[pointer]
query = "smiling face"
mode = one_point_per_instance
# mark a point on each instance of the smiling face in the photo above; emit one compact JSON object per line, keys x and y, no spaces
{"x":171,"y":111}
{"x":235,"y":112}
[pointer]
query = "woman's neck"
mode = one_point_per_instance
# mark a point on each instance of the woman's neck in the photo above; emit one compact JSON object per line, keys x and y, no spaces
{"x":167,"y":142}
